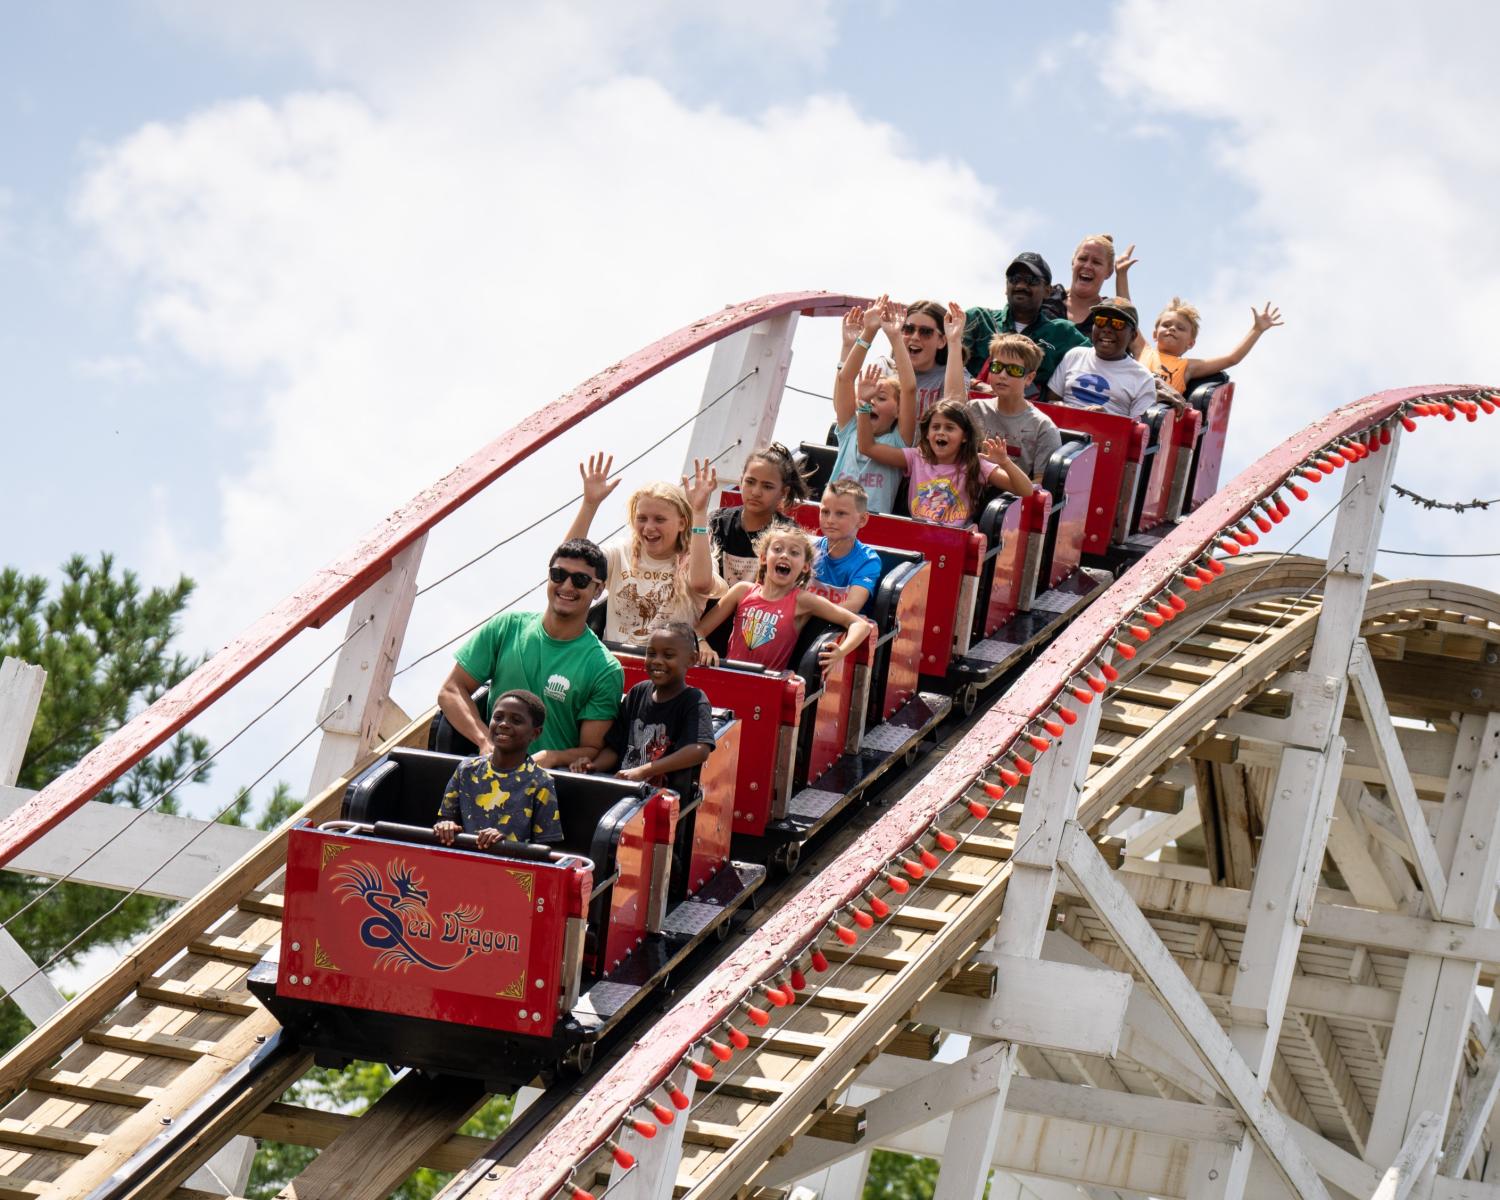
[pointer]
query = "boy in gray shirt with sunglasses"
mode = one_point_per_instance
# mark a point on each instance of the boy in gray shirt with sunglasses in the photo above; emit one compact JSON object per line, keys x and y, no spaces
{"x":1028,"y":432}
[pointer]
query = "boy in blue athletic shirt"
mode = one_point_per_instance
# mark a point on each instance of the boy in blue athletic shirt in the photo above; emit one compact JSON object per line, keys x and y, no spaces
{"x":847,"y":571}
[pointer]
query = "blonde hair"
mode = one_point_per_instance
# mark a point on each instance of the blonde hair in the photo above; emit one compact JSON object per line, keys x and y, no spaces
{"x":675,"y":498}
{"x":1019,"y":346}
{"x":797,"y":534}
{"x":844,"y":486}
{"x":1104,"y":239}
{"x":1184,"y":310}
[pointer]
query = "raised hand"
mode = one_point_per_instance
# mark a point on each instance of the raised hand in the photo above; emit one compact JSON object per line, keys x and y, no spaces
{"x":1268,"y":319}
{"x":872,"y":316}
{"x":868,"y":386}
{"x":597,"y":484}
{"x":953,"y":323}
{"x":854,"y":323}
{"x":1125,"y":261}
{"x":892,"y":317}
{"x":700,"y":487}
{"x":995,"y":450}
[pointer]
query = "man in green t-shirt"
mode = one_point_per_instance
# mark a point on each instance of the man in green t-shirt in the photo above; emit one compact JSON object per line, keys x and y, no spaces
{"x":1027,"y":281}
{"x":554,"y":654}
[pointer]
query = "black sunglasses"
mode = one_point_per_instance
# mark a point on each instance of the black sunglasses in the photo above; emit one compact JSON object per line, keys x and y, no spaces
{"x":581,"y":579}
{"x":922,"y":331}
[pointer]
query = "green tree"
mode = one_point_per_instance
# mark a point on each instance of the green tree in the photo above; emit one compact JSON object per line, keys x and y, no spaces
{"x":895,"y":1176}
{"x":105,"y":644}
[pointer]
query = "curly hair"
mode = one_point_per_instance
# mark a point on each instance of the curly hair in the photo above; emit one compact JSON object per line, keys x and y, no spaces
{"x":795,"y":533}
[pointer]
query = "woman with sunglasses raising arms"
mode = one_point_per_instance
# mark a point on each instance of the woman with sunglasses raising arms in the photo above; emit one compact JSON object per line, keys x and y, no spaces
{"x":1102,"y":374}
{"x":554,"y":654}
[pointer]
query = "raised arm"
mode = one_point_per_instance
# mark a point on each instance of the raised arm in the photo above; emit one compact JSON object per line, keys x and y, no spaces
{"x":887,"y":456}
{"x":700,"y":490}
{"x":953,"y":377}
{"x":860,"y":325}
{"x":715,"y":617}
{"x":597,"y":486}
{"x":892,"y":318}
{"x":1123,"y":263}
{"x":1005,"y":472}
{"x":1268,"y":318}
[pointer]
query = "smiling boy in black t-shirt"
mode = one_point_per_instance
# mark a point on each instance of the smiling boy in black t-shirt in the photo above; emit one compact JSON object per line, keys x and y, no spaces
{"x":663,"y":726}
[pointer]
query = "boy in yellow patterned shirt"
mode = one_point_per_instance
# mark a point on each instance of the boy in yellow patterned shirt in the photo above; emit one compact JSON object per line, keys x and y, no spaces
{"x":505,"y":797}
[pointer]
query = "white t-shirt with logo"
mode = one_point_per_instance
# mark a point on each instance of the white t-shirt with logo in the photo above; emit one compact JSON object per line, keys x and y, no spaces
{"x":640,"y":595}
{"x":1120,"y":386}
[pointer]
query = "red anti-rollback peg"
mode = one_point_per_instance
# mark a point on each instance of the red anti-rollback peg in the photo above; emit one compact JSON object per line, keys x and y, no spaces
{"x":1244,"y":537}
{"x":1008,"y":777}
{"x":1486,"y":404}
{"x":719,"y":1050}
{"x":994,"y":790}
{"x":1055,"y":728}
{"x":1192,"y":582}
{"x":647,"y":1129}
{"x":798,"y":980}
{"x":701,"y":1069}
{"x":662,"y":1113}
{"x":1216,"y":566}
{"x":1229,"y":546}
{"x":896,"y":884}
{"x":1408,"y":424}
{"x":676,"y":1095}
{"x":978,"y":810}
{"x":929,"y":859}
{"x":1300,"y":492}
{"x":947,"y":843}
{"x":738,"y":1038}
{"x":1108,"y":671}
{"x":1067,"y":714}
{"x":758,"y":1016}
{"x":845,"y":934}
{"x":1165,"y":611}
{"x":1204,"y":574}
{"x":1038,"y":743}
{"x":1096,"y":683}
{"x":1154,"y":618}
{"x":1262,"y":521}
{"x":1124,"y":650}
{"x":1081,"y":693}
{"x":913,"y":868}
{"x":879,"y":907}
{"x":819,"y":961}
{"x":1177,"y":602}
{"x":861,"y":918}
{"x":775,"y":995}
{"x":1311,"y":474}
{"x":1022,"y":765}
{"x":1282,"y":509}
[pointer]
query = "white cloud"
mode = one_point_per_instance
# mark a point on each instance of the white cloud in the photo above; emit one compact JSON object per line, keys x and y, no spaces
{"x":1362,"y":139}
{"x":404,"y":287}
{"x":115,"y":368}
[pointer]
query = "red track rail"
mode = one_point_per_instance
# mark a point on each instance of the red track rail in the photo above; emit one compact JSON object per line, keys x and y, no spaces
{"x":332,"y":588}
{"x":545,"y":1169}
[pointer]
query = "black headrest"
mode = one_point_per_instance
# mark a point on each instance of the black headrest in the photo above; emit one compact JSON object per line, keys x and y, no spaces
{"x":584,"y":801}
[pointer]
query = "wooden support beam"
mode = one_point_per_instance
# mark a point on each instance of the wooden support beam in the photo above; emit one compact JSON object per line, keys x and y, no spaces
{"x":390,"y":1140}
{"x":1217,"y":1053}
{"x":656,"y":1159}
{"x":1402,"y":1175}
{"x":748,"y":419}
{"x":20,"y":694}
{"x":1478,"y":1103}
{"x":1399,"y":788}
{"x":352,"y":710}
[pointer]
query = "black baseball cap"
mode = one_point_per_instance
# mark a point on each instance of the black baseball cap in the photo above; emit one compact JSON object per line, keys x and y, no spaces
{"x":1032,"y":263}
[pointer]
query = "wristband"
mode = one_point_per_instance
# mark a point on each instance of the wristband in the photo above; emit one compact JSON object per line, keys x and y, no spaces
{"x":867,"y":410}
{"x":700,"y":528}
{"x":860,"y":341}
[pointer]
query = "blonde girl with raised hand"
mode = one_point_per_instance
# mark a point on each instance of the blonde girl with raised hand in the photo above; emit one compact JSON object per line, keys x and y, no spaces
{"x":658,"y":572}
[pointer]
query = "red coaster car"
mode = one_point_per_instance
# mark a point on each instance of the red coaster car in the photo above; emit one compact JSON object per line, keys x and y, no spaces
{"x":494,"y":964}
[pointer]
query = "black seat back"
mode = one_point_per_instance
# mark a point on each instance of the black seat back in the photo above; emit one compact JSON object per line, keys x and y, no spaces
{"x":896,"y":567}
{"x":817,"y":466}
{"x":405,"y":787}
{"x":442,"y":737}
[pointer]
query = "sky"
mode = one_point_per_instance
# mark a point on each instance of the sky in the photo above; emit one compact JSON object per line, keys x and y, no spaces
{"x":267,"y":271}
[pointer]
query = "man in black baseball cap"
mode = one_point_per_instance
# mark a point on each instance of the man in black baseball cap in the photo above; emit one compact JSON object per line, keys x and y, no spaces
{"x":1028,"y":280}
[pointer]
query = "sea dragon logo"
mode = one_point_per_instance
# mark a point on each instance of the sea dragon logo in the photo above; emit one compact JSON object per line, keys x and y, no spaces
{"x":398,"y":914}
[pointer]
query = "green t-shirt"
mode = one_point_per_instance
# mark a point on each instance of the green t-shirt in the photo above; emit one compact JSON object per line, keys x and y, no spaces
{"x":578,"y":680}
{"x":1055,"y":337}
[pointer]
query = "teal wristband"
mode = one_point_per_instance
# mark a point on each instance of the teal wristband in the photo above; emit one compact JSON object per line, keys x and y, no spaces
{"x":867,"y":410}
{"x":859,"y":341}
{"x":700,"y":528}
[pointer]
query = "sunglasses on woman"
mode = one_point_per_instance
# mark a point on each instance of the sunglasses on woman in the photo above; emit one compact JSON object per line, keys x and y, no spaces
{"x":1115,"y":323}
{"x":581,"y":579}
{"x":922,"y":331}
{"x":1014,"y":370}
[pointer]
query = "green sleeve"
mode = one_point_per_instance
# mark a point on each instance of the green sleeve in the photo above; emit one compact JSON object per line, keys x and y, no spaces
{"x":979,"y":327}
{"x":481,"y":652}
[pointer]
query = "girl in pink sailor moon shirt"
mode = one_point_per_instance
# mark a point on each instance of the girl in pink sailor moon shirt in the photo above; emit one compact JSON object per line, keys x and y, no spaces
{"x":769,"y":612}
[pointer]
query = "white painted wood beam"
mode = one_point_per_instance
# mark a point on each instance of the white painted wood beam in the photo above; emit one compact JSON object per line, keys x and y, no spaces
{"x":162,"y":855}
{"x":1400,"y":790}
{"x":657,"y":1158}
{"x":1478,"y":1103}
{"x":1056,"y":1006}
{"x":353,"y":708}
{"x":1052,"y":798}
{"x":748,"y":414}
{"x":1087,"y":869}
{"x":20,"y":693}
{"x":21,"y":981}
{"x":1402,"y":1175}
{"x":1146,"y":841}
